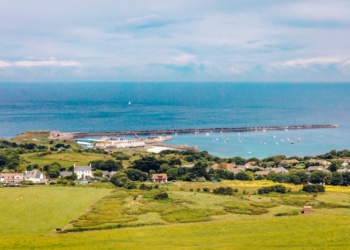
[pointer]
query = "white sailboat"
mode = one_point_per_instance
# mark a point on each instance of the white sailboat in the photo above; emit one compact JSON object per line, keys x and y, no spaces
{"x":129,"y":103}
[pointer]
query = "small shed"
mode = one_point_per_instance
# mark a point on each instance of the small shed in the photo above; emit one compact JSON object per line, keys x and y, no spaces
{"x":307,"y":210}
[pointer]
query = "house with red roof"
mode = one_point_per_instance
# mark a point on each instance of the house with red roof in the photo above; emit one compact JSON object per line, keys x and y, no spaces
{"x":159,"y":178}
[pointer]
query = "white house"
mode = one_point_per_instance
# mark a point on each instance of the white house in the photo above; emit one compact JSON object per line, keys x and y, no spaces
{"x":11,"y":177}
{"x":346,"y":163}
{"x":82,"y":171}
{"x":34,"y":176}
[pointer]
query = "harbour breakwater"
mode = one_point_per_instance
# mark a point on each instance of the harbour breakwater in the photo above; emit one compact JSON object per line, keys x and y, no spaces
{"x":74,"y":135}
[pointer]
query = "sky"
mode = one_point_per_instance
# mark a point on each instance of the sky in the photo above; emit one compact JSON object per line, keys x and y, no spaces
{"x":174,"y":41}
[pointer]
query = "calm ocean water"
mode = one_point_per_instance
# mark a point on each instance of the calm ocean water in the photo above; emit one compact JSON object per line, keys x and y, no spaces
{"x":104,"y":107}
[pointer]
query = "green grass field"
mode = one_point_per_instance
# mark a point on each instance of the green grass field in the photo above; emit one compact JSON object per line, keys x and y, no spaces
{"x":39,"y":210}
{"x":298,"y":232}
{"x":187,"y":220}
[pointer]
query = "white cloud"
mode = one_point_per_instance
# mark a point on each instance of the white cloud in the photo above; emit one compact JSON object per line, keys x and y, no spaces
{"x":34,"y":63}
{"x":234,"y":70}
{"x":183,"y":60}
{"x":4,"y":64}
{"x":312,"y":61}
{"x":69,"y":64}
{"x":346,"y":62}
{"x":44,"y":63}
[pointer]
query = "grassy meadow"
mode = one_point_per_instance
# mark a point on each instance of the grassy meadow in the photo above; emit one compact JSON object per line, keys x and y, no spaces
{"x":105,"y":218}
{"x":39,"y":210}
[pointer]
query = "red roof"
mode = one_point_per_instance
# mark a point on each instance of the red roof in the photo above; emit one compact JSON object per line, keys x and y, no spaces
{"x":159,"y":176}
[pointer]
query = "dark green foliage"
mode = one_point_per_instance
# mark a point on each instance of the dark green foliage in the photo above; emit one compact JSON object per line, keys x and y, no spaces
{"x":295,"y":179}
{"x":223,"y":190}
{"x":206,"y":189}
{"x":303,"y":175}
{"x":313,"y":188}
{"x":136,"y":175}
{"x":239,"y":160}
{"x":121,"y":179}
{"x":335,"y":165}
{"x":53,"y":170}
{"x":346,"y":178}
{"x":317,"y":177}
{"x":279,"y":177}
{"x":161,"y":196}
{"x":244,"y":176}
{"x":173,"y":162}
{"x":108,"y":165}
{"x":337,"y":179}
{"x":147,"y":163}
{"x":277,"y":188}
{"x":172,"y":174}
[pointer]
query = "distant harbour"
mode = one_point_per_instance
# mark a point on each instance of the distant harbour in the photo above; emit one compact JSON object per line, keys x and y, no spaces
{"x":74,"y":135}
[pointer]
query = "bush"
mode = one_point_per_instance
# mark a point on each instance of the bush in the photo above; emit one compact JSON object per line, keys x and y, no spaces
{"x":143,"y":186}
{"x":313,"y":188}
{"x":278,"y":189}
{"x":206,"y":190}
{"x":223,"y":191}
{"x":161,"y":196}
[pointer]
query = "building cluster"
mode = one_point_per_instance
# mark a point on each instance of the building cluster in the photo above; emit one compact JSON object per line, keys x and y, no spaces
{"x":111,"y":143}
{"x":16,"y":178}
{"x":322,"y":166}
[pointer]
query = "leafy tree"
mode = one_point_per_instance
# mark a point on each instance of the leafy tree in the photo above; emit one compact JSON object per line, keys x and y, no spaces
{"x":244,"y":176}
{"x":147,"y":163}
{"x":3,"y":161}
{"x":346,"y":178}
{"x":136,"y":175}
{"x":335,"y":165}
{"x":295,"y":179}
{"x":328,"y":178}
{"x":53,"y":170}
{"x":121,"y":179}
{"x":98,"y":173}
{"x":12,"y":162}
{"x":172,"y":174}
{"x":239,"y":160}
{"x":111,"y":165}
{"x":163,"y":168}
{"x":303,"y":175}
{"x":189,"y":158}
{"x":337,"y":179}
{"x":199,"y":170}
{"x":173,"y":162}
{"x":96,"y":164}
{"x":317,"y":177}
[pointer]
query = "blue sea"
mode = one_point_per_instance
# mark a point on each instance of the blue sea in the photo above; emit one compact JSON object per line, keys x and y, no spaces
{"x":88,"y":107}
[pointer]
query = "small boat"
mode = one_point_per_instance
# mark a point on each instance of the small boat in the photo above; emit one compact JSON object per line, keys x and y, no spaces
{"x":217,"y":139}
{"x":274,"y":137}
{"x":129,"y":103}
{"x":264,"y":143}
{"x":264,"y":130}
{"x":292,"y":142}
{"x":299,"y":140}
{"x":249,"y":152}
{"x":207,"y":134}
{"x":277,"y":143}
{"x":281,"y":139}
{"x":221,"y":132}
